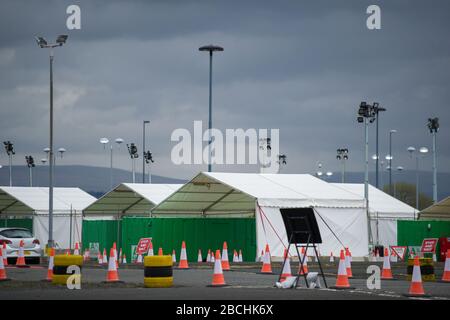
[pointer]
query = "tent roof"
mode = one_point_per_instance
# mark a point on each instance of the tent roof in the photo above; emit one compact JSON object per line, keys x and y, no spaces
{"x":131,"y":198}
{"x":27,"y":200}
{"x":380,"y":202}
{"x":217,"y":193}
{"x":438,"y":211}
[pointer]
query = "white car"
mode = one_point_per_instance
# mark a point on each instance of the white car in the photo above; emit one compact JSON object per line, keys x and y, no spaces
{"x":12,"y":237}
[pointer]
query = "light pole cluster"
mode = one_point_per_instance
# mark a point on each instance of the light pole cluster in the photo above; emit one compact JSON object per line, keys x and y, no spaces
{"x":342,"y":155}
{"x":320,"y":173}
{"x":104,"y":142}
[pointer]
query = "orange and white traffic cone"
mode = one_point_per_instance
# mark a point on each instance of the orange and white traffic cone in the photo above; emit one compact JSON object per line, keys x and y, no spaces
{"x":150,"y":249}
{"x":240,"y":256}
{"x":115,"y":255}
{"x":51,"y":259}
{"x":105,"y":257}
{"x":386,"y":274}
{"x":377,"y":255}
{"x":331,"y":257}
{"x":76,"y":252}
{"x":183,"y":257}
{"x":213,"y":260}
{"x":20,"y":263}
{"x":261,"y":256}
{"x":3,"y":276}
{"x":342,"y":278}
{"x":120,"y":256}
{"x":446,"y":274}
{"x":124,"y":260}
{"x":68,"y":253}
{"x":160,"y":251}
{"x":174,"y":256}
{"x":99,"y":258}
{"x":112,"y":274}
{"x":286,"y":268}
{"x":199,"y":256}
{"x":139,"y":259}
{"x":267,"y":266}
{"x":218,"y":278}
{"x":208,"y":256}
{"x":235,"y":256}
{"x":5,"y":255}
{"x":348,"y":263}
{"x":303,"y":256}
{"x":86,"y":255}
{"x":225,"y":262}
{"x":416,"y":288}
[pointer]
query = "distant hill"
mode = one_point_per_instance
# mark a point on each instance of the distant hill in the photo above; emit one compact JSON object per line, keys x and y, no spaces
{"x":95,"y":180}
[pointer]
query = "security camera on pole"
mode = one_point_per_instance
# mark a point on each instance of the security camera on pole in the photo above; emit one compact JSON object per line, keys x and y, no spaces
{"x":366,"y":115}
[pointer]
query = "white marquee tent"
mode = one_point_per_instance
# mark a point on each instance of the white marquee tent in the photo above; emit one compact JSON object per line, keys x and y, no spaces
{"x":68,"y":204}
{"x":262,"y":196}
{"x":129,"y":199}
{"x":384,"y":210}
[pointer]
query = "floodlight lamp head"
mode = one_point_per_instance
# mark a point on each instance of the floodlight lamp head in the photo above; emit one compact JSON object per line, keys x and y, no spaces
{"x":41,"y":42}
{"x":423,"y":150}
{"x":61,"y":39}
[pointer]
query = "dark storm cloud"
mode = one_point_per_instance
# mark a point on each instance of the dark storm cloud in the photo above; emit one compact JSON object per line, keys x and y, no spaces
{"x":301,"y":66}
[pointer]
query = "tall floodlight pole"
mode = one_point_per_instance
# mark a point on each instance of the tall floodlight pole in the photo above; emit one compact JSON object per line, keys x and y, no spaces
{"x":377,"y":110}
{"x":30,"y":164}
{"x":422,"y":151}
{"x":210,"y":48}
{"x":282,"y":161}
{"x":366,"y":115}
{"x":132,"y":150}
{"x":433,"y":126}
{"x":60,"y":40}
{"x":342,"y":155}
{"x":390,"y":158}
{"x":143,"y":150}
{"x":9,"y":147}
{"x":148,"y":159}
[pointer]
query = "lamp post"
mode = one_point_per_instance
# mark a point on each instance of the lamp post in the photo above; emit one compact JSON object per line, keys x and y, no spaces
{"x":342,"y":155}
{"x":389,"y":158}
{"x":132,"y":150}
{"x":104,"y":142}
{"x":60,"y":40}
{"x":143,"y":149}
{"x":399,"y":169}
{"x":30,"y":164}
{"x":148,"y":158}
{"x":9,"y":147}
{"x":422,"y":151}
{"x":433,"y":126}
{"x":366,"y":115}
{"x":210,"y":48}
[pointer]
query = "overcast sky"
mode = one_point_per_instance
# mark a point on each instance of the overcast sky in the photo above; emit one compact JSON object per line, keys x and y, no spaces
{"x":300,"y":66}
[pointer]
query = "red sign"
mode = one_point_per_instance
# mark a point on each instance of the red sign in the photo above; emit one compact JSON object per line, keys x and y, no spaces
{"x":429,"y":245}
{"x":143,"y":245}
{"x":399,"y":251}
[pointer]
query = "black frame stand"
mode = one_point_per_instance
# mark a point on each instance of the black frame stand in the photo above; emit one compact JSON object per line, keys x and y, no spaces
{"x":305,"y":234}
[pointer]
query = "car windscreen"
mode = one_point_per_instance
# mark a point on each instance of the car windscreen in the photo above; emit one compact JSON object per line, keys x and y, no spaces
{"x":16,"y":233}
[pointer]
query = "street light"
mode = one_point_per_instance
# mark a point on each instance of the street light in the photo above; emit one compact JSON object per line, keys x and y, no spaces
{"x":422,"y":151}
{"x":104,"y":142}
{"x":44,"y":161}
{"x":9,"y":148}
{"x":132,"y":150}
{"x":433,"y":126}
{"x":366,"y":115}
{"x":143,"y":149}
{"x":391,"y":132}
{"x":42,"y":43}
{"x":342,"y":155}
{"x":30,"y":164}
{"x":61,"y":151}
{"x":399,"y":169}
{"x":210,"y":48}
{"x":148,"y":158}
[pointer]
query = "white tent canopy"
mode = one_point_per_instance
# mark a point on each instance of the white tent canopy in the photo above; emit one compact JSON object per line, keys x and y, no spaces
{"x":262,"y":195}
{"x":133,"y":199}
{"x":68,"y":204}
{"x":384,"y":210}
{"x":438,"y":211}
